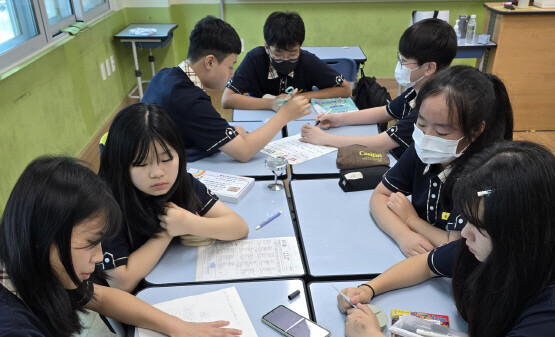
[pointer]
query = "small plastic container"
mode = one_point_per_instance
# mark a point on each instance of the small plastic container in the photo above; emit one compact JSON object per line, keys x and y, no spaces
{"x":411,"y":326}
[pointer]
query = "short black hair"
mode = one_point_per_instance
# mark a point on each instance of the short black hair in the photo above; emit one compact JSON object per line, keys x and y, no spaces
{"x":284,"y":30}
{"x":212,"y":36}
{"x":429,"y":40}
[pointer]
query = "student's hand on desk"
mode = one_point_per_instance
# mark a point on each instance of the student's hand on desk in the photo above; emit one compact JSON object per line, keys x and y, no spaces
{"x":176,"y":220}
{"x":208,"y":329}
{"x":356,"y":295}
{"x":295,"y":108}
{"x":275,"y":105}
{"x":329,"y":120}
{"x":240,"y":130}
{"x":313,"y":135}
{"x":362,"y":322}
{"x":412,"y":244}
{"x":404,"y":209}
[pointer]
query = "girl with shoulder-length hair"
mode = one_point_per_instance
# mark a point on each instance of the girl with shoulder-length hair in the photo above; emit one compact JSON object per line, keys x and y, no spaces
{"x":503,"y":269}
{"x":460,"y":111}
{"x":144,"y":163}
{"x":50,"y":234}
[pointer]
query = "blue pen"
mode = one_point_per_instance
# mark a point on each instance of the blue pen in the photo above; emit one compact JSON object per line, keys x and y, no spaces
{"x":267,"y":221}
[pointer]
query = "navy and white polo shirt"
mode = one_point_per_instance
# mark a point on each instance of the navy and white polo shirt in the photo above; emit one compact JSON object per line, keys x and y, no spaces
{"x":423,"y":182}
{"x":256,"y":76}
{"x":402,"y":109}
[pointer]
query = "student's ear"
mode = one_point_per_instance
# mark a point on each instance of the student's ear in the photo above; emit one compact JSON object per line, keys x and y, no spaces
{"x":210,"y":61}
{"x":431,"y":68}
{"x":479,"y":130}
{"x":266,"y":48}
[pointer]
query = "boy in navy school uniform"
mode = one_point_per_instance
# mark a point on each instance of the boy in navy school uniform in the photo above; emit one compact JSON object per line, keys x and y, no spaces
{"x":279,"y":64}
{"x":213,"y":49}
{"x":424,"y":48}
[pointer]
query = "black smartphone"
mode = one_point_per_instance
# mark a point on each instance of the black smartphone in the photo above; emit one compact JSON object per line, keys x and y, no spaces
{"x":291,"y":324}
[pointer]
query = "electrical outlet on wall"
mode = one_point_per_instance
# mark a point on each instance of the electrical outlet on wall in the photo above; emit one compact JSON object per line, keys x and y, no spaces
{"x":108,"y":67}
{"x":113,"y":62}
{"x":103,"y":71}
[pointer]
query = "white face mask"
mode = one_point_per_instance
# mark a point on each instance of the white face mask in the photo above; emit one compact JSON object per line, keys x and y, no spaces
{"x":435,"y":150}
{"x":402,"y":75}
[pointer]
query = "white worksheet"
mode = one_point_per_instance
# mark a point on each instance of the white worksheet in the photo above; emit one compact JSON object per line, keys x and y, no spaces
{"x":224,"y":304}
{"x":295,"y":151}
{"x":248,"y":259}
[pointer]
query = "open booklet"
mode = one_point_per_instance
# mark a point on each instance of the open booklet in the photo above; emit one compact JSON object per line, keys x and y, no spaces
{"x":295,"y":151}
{"x":224,"y":304}
{"x":333,"y":105}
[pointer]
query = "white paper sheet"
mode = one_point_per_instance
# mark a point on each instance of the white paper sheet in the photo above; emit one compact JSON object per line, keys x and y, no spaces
{"x":249,"y":258}
{"x":295,"y":151}
{"x":224,"y":304}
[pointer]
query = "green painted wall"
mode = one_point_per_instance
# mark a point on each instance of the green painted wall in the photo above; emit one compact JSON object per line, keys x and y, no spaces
{"x":56,"y":102}
{"x":374,"y":26}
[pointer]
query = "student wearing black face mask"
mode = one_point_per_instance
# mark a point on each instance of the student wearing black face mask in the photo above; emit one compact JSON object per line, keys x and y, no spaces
{"x":279,"y":64}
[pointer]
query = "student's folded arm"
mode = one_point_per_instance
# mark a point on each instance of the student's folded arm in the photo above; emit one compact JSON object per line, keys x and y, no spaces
{"x":233,"y":100}
{"x":221,"y":223}
{"x":410,"y":242}
{"x":344,"y":90}
{"x":379,"y":143}
{"x":139,"y":263}
{"x":436,"y":235}
{"x":128,"y":309}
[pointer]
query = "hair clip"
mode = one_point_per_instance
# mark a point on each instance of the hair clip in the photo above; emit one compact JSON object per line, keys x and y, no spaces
{"x":485,"y":192}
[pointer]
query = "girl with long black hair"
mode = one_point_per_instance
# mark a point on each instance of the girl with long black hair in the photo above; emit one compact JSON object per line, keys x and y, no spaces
{"x":56,"y":216}
{"x":503,"y":270}
{"x":144,"y":163}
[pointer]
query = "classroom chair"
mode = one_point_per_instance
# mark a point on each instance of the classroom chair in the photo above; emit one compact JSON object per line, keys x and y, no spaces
{"x":344,"y":66}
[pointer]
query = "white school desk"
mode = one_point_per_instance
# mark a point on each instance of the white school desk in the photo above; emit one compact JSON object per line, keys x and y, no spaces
{"x":324,"y":166}
{"x":337,"y":232}
{"x":349,"y":52}
{"x":433,"y":296}
{"x":178,"y":264}
{"x":223,"y":163}
{"x":163,"y":35}
{"x":258,"y":297}
{"x":264,"y":115}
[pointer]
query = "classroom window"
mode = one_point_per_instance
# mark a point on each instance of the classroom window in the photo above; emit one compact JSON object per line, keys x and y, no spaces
{"x":26,"y":26}
{"x":87,"y":10}
{"x":17,"y":24}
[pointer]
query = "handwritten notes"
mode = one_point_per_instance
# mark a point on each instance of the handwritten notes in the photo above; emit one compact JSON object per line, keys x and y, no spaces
{"x":224,"y":304}
{"x":248,"y":259}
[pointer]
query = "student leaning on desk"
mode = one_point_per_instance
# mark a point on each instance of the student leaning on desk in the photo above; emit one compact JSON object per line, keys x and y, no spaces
{"x":425,"y":48}
{"x":460,"y":112}
{"x":50,"y":233}
{"x":280,"y":64}
{"x":213,"y":49}
{"x":144,"y":164}
{"x":503,"y":271}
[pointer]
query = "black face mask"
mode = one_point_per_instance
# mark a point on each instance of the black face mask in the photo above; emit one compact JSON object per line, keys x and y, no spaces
{"x":284,"y":67}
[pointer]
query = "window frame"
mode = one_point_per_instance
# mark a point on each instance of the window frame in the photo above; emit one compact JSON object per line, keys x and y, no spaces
{"x":47,"y":34}
{"x":92,"y":14}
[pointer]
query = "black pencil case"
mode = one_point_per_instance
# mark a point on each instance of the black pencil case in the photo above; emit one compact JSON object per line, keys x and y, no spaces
{"x":366,"y":178}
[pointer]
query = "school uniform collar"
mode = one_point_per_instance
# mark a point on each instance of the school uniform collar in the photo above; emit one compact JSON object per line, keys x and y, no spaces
{"x":273,"y":74}
{"x":188,"y":70}
{"x":6,"y":282}
{"x":442,"y":175}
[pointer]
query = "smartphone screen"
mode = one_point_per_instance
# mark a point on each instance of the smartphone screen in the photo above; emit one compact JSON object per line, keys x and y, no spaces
{"x":292,"y":324}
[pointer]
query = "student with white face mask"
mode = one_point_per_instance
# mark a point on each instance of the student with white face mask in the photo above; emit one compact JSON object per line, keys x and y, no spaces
{"x":503,"y":269}
{"x":460,"y":111}
{"x":424,"y":49}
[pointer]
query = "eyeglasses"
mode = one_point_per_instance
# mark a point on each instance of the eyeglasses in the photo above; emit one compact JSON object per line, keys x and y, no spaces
{"x":292,"y":59}
{"x":401,"y":61}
